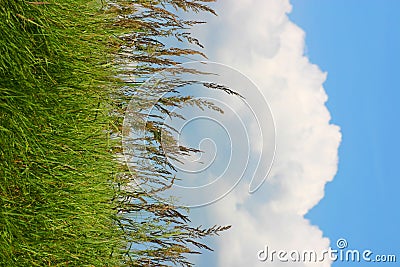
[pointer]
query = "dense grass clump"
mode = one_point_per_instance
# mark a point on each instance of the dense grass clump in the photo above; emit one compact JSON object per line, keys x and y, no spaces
{"x":64,"y":199}
{"x":55,"y":159}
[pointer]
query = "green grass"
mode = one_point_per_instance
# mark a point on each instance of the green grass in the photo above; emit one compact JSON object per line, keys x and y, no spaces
{"x":55,"y":161}
{"x":59,"y":101}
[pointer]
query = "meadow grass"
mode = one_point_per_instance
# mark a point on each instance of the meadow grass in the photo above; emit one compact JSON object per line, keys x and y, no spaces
{"x":56,"y":167}
{"x":61,"y":98}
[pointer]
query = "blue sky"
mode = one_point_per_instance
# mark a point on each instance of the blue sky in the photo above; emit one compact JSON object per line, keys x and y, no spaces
{"x":357,"y":43}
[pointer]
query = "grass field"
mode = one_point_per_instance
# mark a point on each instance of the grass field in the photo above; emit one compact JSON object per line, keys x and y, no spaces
{"x":62,"y":196}
{"x":55,"y":159}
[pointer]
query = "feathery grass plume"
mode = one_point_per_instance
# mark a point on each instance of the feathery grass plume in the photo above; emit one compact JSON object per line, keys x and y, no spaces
{"x":166,"y":235}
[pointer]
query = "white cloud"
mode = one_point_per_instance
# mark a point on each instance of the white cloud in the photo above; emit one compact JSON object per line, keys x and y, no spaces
{"x":257,"y":38}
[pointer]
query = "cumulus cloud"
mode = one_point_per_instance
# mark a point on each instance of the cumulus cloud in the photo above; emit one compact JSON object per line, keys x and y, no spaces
{"x":257,"y":38}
